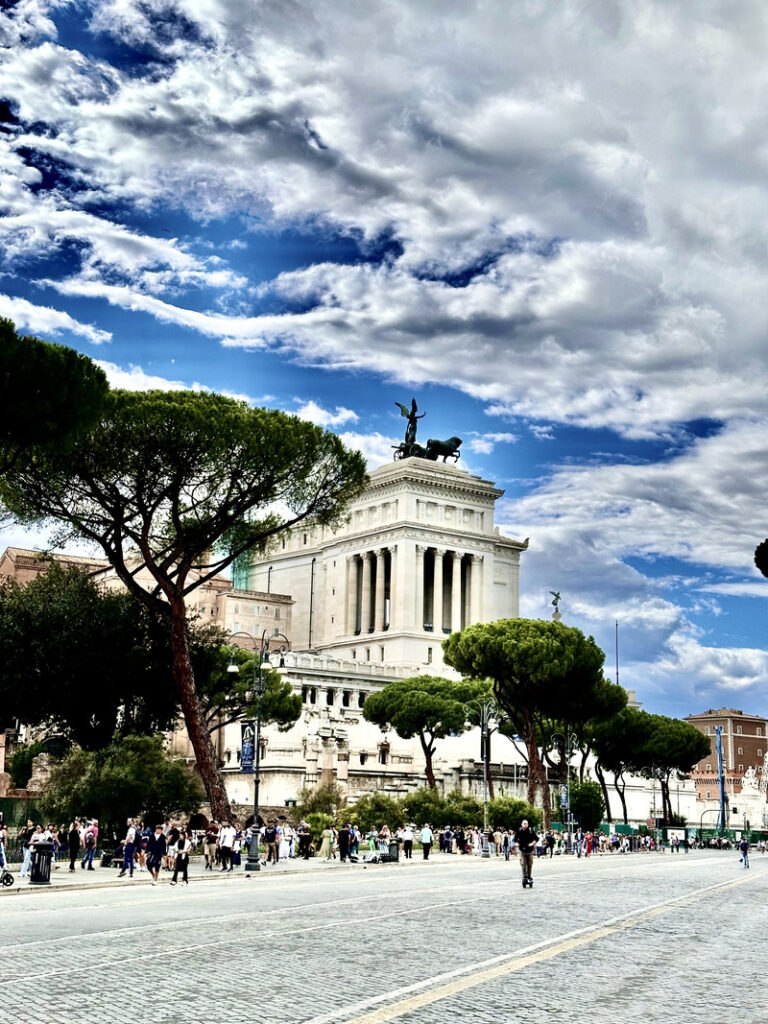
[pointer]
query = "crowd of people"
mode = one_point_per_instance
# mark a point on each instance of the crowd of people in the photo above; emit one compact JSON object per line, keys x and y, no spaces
{"x":167,"y":846}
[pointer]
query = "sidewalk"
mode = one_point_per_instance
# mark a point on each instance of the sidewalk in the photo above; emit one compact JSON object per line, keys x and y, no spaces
{"x":63,"y":878}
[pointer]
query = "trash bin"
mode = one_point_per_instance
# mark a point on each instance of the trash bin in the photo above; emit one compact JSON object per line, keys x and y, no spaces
{"x":40,"y":868}
{"x":394,"y":851}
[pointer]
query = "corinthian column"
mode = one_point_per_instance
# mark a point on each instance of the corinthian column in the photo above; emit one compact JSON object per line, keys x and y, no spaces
{"x":365,"y":597}
{"x":437,"y":596}
{"x":379,"y":619}
{"x":456,"y":593}
{"x":419,"y":582}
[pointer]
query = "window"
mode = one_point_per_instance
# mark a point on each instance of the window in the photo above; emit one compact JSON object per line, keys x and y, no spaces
{"x":709,"y":767}
{"x":758,"y":731}
{"x":346,"y":698}
{"x":384,"y":754}
{"x":738,"y":730}
{"x":381,"y":654}
{"x":360,"y":699}
{"x":740,"y":750}
{"x":759,"y":752}
{"x":354,"y":655}
{"x":330,"y":697}
{"x":367,"y":653}
{"x":363,"y":757}
{"x":741,"y":769}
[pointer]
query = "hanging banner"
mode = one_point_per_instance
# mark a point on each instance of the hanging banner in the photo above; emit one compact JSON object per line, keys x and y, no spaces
{"x":247,"y":746}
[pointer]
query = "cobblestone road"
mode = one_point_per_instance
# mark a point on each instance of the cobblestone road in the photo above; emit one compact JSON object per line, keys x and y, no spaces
{"x":612,"y":939}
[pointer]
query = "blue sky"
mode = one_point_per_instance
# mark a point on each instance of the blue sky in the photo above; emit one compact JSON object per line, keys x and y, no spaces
{"x":545,"y":222}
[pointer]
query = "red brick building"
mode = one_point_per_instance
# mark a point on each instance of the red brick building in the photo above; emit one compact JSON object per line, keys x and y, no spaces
{"x":744,"y":742}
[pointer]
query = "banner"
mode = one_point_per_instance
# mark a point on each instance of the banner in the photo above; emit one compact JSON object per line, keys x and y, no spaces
{"x":247,"y":746}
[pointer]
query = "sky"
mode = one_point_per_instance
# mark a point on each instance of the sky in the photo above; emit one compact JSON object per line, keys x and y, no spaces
{"x":544,"y":221}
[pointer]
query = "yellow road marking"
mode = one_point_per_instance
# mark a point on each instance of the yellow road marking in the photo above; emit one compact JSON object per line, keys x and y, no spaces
{"x":521,"y":961}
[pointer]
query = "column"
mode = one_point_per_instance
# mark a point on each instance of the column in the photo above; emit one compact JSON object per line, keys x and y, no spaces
{"x":379,"y":609}
{"x":476,"y":587}
{"x":419,"y":581}
{"x":394,"y":611}
{"x":365,"y":596}
{"x":456,"y":593}
{"x":351,"y":595}
{"x":437,"y":596}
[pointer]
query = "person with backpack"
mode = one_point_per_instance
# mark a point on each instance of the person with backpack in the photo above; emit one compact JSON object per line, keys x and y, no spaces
{"x":91,"y":839}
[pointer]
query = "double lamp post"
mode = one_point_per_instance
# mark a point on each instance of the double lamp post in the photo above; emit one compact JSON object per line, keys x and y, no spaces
{"x":252,"y":731}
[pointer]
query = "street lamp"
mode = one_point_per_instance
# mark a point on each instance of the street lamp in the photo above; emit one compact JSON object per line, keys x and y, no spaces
{"x":259,"y":687}
{"x":487,"y":711}
{"x":567,"y":744}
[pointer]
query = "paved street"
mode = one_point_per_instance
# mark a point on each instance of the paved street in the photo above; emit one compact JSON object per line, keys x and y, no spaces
{"x":612,"y":939}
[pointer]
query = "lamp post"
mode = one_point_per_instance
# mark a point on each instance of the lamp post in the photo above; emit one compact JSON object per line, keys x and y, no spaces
{"x":259,"y":687}
{"x":568,"y":744}
{"x":487,"y":711}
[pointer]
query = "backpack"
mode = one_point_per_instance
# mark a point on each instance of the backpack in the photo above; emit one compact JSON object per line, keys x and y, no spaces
{"x":90,"y":840}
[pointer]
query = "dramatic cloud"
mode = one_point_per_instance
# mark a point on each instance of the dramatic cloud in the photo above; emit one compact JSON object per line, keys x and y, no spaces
{"x":554,"y":212}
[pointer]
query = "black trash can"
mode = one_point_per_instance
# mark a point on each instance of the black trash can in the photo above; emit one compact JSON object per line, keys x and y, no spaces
{"x":394,"y":851}
{"x":40,"y":868}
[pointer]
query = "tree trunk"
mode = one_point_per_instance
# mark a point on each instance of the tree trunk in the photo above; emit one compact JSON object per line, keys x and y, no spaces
{"x":604,"y":786}
{"x":622,"y":796}
{"x":194,"y":717}
{"x":429,"y":750}
{"x":537,"y":777}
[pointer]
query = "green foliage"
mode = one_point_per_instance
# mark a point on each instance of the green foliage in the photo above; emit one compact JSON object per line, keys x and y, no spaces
{"x":326,"y":799}
{"x":48,"y":394}
{"x":542,"y":672}
{"x":228,"y":696}
{"x":85,"y":662}
{"x":317,"y":821}
{"x":428,"y":707}
{"x":508,"y":812}
{"x":458,"y":809}
{"x":587,"y":804}
{"x":538,"y":668}
{"x":761,"y":557}
{"x":133,"y":776}
{"x":191,"y":481}
{"x":20,"y":768}
{"x":422,"y":805}
{"x":374,"y":810}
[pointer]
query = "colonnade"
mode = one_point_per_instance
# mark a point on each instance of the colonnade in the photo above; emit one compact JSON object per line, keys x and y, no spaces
{"x":441,"y":590}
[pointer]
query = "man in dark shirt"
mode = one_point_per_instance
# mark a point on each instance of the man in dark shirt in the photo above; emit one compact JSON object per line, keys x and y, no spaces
{"x":525,"y":839}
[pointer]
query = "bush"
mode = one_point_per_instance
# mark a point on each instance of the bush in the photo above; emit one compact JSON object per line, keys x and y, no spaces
{"x":508,"y":812}
{"x":587,"y":804}
{"x":327,"y":799}
{"x":374,"y":810}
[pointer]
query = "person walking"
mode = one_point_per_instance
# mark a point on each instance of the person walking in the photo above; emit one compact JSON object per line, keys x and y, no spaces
{"x":73,"y":844}
{"x":181,"y":860}
{"x":156,"y":850}
{"x":744,"y":847}
{"x":227,"y":835}
{"x":129,"y":849}
{"x":426,"y":838}
{"x":525,"y":838}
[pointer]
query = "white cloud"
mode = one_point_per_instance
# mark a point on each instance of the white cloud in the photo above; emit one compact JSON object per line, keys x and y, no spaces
{"x":323,"y":417}
{"x":47,"y":322}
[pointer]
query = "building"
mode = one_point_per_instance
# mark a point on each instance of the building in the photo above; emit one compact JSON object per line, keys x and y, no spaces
{"x":417,"y":556}
{"x":744,"y":740}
